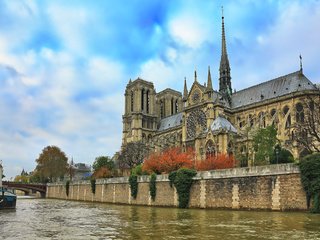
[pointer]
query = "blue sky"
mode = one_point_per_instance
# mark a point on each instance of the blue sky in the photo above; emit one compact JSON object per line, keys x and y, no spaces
{"x":64,"y":65}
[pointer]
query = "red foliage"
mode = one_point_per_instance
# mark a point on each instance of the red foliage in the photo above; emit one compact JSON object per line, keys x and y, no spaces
{"x":102,"y":172}
{"x":220,"y":161}
{"x":168,"y":161}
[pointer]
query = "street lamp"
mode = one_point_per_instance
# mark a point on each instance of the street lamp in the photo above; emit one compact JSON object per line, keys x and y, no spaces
{"x":277,"y":153}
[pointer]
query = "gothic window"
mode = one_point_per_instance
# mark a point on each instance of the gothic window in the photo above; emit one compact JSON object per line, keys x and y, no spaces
{"x":299,"y":113}
{"x":262,"y":120}
{"x":161,"y":108}
{"x":311,"y":105}
{"x":132,"y":100}
{"x":273,"y":116}
{"x":149,"y":138}
{"x":285,"y":110}
{"x":142,"y":99}
{"x":251,"y":120}
{"x":176,"y":106}
{"x":196,"y":119}
{"x":210,"y":149}
{"x":172,"y":106}
{"x":148,"y":100}
{"x":288,"y":122}
{"x":144,"y":137}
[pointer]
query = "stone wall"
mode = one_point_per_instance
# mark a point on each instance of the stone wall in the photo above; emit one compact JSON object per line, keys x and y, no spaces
{"x":275,"y":187}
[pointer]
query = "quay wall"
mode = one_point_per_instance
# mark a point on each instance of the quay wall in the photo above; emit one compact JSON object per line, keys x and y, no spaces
{"x":274,"y":187}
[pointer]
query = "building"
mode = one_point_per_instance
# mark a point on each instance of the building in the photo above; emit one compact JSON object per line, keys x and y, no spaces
{"x":213,"y":121}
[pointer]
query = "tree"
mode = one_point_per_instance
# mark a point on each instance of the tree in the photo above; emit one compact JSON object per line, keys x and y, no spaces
{"x":310,"y":178}
{"x":281,"y":155}
{"x":264,"y":140}
{"x":219,"y":161}
{"x":51,"y":164}
{"x":307,"y":127}
{"x":103,"y":161}
{"x":170,"y":160}
{"x":132,"y":155}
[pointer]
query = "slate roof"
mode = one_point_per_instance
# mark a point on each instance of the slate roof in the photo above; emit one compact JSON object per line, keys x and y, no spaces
{"x":220,"y":123}
{"x":277,"y":87}
{"x":170,"y":122}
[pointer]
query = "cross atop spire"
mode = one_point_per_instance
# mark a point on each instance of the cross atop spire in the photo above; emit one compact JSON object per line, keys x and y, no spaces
{"x":301,"y":69}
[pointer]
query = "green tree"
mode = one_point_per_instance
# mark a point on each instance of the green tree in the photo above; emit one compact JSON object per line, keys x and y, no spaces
{"x":281,"y":155}
{"x":310,"y":178}
{"x":51,"y":164}
{"x":103,"y":161}
{"x":264,"y":140}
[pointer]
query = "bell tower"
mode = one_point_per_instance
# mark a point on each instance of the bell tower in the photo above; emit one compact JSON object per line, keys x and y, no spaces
{"x":139,"y":119}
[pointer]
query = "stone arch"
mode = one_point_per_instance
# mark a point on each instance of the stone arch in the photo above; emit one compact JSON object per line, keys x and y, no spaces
{"x":210,"y":149}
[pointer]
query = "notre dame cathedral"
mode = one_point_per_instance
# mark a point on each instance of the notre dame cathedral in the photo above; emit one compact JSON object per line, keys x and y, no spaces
{"x":213,"y":121}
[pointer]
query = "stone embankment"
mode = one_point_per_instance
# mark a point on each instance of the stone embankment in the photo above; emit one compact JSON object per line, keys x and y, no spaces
{"x":274,"y":187}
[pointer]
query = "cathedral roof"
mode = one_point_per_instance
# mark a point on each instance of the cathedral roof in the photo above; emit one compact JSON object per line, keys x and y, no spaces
{"x":220,"y":123}
{"x":277,"y":87}
{"x":170,"y":122}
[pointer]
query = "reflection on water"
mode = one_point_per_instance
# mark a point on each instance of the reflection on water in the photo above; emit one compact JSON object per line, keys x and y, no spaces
{"x":57,"y":219}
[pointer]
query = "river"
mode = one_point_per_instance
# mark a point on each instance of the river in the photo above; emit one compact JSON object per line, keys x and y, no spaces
{"x":59,"y":219}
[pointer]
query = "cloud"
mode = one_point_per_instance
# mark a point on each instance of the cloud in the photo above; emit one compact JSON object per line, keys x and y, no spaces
{"x":64,"y":65}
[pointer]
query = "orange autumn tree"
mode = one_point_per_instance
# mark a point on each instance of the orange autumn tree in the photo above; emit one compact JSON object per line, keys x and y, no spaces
{"x":219,"y":161}
{"x":169,"y":160}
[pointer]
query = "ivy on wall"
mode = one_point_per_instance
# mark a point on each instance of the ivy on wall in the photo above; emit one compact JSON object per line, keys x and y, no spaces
{"x":152,"y":186}
{"x":67,"y":187}
{"x":133,"y":181}
{"x":93,"y":185}
{"x":310,"y":179}
{"x":182,"y":180}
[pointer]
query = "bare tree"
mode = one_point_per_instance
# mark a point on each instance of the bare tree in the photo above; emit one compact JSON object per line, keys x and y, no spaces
{"x":132,"y":155}
{"x":307,"y":127}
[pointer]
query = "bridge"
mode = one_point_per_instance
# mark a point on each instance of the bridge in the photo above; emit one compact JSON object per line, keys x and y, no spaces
{"x":26,"y":187}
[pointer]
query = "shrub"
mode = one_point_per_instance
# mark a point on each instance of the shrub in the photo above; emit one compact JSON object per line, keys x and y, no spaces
{"x":183,"y":182}
{"x":152,"y":186}
{"x":137,"y":170}
{"x":133,"y":181}
{"x":220,"y":161}
{"x":67,"y":187}
{"x":102,"y":172}
{"x":310,"y":178}
{"x":168,"y":161}
{"x":93,"y":185}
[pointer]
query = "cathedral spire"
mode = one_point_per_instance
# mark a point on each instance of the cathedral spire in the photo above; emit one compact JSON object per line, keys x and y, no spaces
{"x":195,"y":75}
{"x":225,"y":76}
{"x":209,"y":82}
{"x":185,"y":90}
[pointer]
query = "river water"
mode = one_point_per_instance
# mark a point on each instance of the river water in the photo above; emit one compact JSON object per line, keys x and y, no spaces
{"x":59,"y":219}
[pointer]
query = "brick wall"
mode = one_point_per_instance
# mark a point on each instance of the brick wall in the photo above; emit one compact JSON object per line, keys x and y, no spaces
{"x":267,"y":187}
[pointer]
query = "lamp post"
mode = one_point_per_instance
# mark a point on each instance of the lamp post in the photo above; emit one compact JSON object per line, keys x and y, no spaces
{"x":277,"y":153}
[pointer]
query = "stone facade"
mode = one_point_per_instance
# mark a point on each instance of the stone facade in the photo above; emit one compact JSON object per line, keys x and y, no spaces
{"x":267,"y":188}
{"x":219,"y":121}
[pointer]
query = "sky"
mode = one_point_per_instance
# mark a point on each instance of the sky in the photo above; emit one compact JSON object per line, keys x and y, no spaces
{"x":64,"y":65}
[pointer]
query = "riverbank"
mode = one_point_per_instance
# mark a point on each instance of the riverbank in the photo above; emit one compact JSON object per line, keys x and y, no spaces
{"x":273,"y":187}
